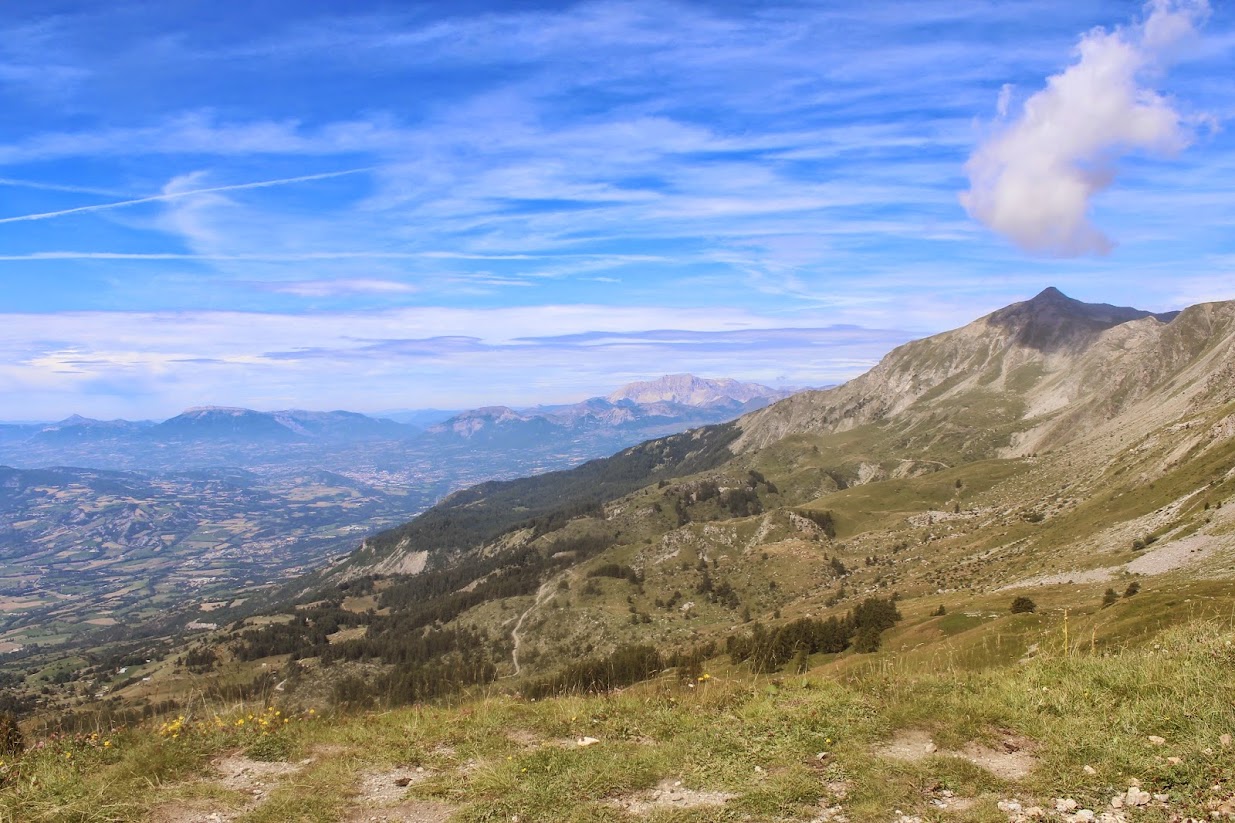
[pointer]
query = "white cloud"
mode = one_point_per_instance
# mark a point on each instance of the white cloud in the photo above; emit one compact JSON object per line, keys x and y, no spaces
{"x":1034,"y":180}
{"x":1005,"y":98}
{"x":139,"y":364}
{"x":335,"y":288}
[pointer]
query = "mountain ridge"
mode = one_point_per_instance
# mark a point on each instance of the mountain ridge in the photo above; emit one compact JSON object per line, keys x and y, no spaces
{"x":1006,"y":392}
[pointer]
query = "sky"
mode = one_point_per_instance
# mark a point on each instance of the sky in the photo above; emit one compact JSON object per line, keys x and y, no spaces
{"x":395,"y":205}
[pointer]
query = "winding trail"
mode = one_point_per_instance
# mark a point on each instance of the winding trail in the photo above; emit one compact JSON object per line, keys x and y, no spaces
{"x":541,"y":594}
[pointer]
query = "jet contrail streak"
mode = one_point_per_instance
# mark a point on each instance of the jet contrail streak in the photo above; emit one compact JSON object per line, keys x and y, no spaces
{"x":175,"y":195}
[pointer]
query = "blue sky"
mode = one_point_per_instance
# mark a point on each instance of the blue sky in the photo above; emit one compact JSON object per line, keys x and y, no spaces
{"x":398,"y":205}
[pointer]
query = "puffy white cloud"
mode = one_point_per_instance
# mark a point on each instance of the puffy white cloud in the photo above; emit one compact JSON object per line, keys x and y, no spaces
{"x":1035,"y":178}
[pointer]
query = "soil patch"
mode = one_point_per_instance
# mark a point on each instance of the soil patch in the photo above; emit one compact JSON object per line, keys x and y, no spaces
{"x":388,"y":787}
{"x":191,"y":811}
{"x":669,"y":794}
{"x":417,"y":811}
{"x":1010,"y":759}
{"x":908,"y":744}
{"x":243,"y":774}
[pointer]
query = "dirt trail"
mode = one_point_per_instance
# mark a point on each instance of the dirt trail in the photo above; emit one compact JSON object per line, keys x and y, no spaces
{"x":515,"y":640}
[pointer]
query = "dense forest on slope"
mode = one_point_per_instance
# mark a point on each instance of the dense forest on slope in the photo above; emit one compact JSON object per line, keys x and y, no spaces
{"x":479,"y":514}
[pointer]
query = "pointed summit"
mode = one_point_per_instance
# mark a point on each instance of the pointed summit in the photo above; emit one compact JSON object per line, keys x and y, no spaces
{"x":1051,"y":321}
{"x":1051,"y":295}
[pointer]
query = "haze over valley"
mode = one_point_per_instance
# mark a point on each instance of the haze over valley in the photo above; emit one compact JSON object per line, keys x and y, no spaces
{"x":219,"y":503}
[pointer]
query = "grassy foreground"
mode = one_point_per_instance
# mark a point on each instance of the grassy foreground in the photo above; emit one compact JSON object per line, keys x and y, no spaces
{"x":881,"y":745}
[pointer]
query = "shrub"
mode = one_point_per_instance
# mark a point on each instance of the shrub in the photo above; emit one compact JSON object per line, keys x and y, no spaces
{"x":866,"y":640}
{"x":1132,"y":589}
{"x":939,"y":612}
{"x":11,"y":740}
{"x":1110,"y":598}
{"x":1023,"y":605}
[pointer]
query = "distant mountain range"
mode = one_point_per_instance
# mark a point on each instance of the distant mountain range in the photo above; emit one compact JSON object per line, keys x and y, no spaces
{"x":223,"y":498}
{"x":513,"y":440}
{"x":652,"y":407}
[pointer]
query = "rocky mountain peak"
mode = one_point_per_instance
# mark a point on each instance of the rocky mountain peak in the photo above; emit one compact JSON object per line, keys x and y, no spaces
{"x":689,"y":390}
{"x":1051,"y":321}
{"x":1033,"y":360}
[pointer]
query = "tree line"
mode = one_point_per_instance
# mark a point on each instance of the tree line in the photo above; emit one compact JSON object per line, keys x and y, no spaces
{"x":768,"y":650}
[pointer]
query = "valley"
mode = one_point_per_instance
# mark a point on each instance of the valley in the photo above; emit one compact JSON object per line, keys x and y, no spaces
{"x":198,"y":519}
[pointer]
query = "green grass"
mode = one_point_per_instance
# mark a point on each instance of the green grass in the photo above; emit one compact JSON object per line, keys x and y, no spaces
{"x":495,"y":756}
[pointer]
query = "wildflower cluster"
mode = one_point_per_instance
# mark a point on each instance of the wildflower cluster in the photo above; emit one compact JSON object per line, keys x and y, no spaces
{"x":236,"y":728}
{"x":703,"y":678}
{"x":172,"y":728}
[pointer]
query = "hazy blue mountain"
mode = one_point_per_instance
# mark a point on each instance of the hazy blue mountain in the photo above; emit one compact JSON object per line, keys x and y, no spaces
{"x":438,"y":452}
{"x":634,"y":412}
{"x":419,"y":418}
{"x":78,"y":428}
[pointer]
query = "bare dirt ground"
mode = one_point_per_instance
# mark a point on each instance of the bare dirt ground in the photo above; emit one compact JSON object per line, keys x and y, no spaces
{"x":252,"y":779}
{"x":381,"y":797}
{"x":1011,"y":758}
{"x":669,"y":794}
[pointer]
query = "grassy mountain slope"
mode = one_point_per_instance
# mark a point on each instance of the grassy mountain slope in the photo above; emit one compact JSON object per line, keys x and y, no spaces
{"x":1049,"y":442}
{"x":1078,"y":457}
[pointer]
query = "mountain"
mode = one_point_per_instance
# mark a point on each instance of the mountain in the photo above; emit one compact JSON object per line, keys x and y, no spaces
{"x":1029,"y":361}
{"x":234,"y":424}
{"x":1012,"y":523}
{"x":17,"y":432}
{"x":418,"y":418}
{"x":637,"y":411}
{"x":699,"y":392}
{"x":430,"y":442}
{"x":342,"y":425}
{"x":78,"y":428}
{"x":1027,"y":415}
{"x":496,"y":425}
{"x":222,"y":423}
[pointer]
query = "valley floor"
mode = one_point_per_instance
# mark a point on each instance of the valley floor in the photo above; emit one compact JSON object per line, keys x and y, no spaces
{"x":1111,"y":734}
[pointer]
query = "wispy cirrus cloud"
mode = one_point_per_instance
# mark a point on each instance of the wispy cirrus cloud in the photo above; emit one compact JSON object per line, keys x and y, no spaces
{"x":799,"y":160}
{"x":417,"y":356}
{"x":331,"y":288}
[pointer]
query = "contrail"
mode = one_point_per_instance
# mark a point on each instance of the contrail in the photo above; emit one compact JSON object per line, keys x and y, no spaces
{"x":154,"y":198}
{"x":35,"y":184}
